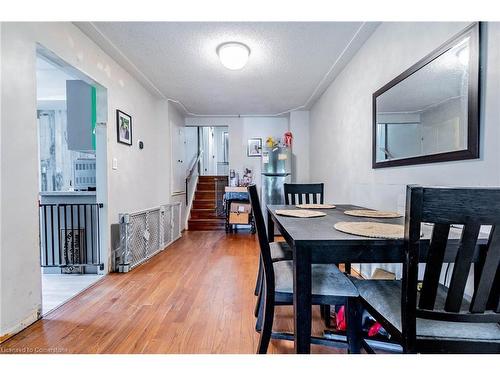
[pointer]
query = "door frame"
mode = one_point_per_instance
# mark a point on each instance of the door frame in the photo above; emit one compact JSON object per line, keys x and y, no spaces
{"x":101,"y":147}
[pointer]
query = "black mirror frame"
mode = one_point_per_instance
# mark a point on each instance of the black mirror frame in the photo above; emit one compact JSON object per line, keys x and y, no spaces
{"x":472,"y":151}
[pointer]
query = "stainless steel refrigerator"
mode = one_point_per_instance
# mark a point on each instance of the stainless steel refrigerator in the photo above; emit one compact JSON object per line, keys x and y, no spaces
{"x":276,"y":169}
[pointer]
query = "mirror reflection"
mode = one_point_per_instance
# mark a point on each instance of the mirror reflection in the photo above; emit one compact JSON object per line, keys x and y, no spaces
{"x":427,"y":112}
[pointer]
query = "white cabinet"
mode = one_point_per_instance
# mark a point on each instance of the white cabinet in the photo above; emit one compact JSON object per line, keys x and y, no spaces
{"x":81,"y":115}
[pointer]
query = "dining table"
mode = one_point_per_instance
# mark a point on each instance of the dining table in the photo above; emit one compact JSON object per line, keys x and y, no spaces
{"x":315,"y":240}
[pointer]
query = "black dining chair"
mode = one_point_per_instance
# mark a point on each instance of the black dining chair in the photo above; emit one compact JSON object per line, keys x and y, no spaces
{"x":329,"y":285}
{"x":280,"y":250}
{"x":435,"y":318}
{"x":302,"y":193}
{"x":310,"y":193}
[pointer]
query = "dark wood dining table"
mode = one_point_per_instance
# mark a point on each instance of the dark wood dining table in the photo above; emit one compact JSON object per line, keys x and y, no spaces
{"x":315,"y":240}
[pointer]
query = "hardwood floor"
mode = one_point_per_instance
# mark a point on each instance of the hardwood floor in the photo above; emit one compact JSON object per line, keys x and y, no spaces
{"x":194,"y":297}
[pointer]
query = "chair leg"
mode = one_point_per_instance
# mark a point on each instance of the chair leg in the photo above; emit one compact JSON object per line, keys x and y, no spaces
{"x":259,"y":308}
{"x":259,"y":279}
{"x":258,"y":302}
{"x":267,"y":324}
{"x":354,"y":333}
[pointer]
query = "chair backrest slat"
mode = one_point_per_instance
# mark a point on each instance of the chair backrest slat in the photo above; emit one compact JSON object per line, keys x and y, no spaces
{"x":444,"y":207}
{"x":301,"y":191}
{"x":434,"y":265}
{"x":414,"y":197}
{"x":488,"y":274}
{"x":461,"y":268}
{"x":265,"y":250}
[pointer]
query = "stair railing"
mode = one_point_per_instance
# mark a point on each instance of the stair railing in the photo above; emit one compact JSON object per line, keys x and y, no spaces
{"x":193,"y":174}
{"x":191,"y":182}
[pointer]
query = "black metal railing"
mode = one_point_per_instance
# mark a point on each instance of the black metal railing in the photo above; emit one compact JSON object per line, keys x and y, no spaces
{"x":69,"y":235}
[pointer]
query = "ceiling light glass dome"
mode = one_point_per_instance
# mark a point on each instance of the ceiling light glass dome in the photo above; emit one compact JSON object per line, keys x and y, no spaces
{"x":233,"y":55}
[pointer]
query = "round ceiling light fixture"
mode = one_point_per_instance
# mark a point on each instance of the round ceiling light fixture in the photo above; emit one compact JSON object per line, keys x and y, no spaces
{"x":233,"y":55}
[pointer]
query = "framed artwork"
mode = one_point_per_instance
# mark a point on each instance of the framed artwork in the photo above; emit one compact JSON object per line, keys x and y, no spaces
{"x":254,"y":147}
{"x":123,"y":127}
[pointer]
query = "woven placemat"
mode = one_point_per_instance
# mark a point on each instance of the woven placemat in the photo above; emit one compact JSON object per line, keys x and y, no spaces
{"x":373,"y":213}
{"x":300,"y":213}
{"x":371,"y":229}
{"x":315,"y":205}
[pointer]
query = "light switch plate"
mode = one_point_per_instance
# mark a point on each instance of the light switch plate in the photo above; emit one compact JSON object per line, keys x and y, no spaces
{"x":115,"y":163}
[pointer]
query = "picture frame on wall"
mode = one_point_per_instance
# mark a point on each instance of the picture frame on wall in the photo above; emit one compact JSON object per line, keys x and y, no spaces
{"x":124,"y":127}
{"x":254,"y":148}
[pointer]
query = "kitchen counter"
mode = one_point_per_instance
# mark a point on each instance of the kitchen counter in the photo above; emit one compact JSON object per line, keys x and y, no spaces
{"x":68,"y":197}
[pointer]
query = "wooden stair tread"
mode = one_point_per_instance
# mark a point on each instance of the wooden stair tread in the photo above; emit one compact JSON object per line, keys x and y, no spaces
{"x":208,"y":220}
{"x":210,"y":205}
{"x":203,"y":215}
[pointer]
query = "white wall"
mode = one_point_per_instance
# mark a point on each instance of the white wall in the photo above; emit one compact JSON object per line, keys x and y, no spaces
{"x":191,"y":135}
{"x":299,"y":126}
{"x":137,"y":184}
{"x":176,"y":123}
{"x":341,"y":120}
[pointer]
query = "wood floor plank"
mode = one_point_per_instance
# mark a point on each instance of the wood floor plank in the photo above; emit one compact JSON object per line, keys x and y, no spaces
{"x":194,"y":297}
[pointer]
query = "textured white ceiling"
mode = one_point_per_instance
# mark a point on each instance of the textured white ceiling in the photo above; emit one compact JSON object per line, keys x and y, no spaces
{"x":290,"y":65}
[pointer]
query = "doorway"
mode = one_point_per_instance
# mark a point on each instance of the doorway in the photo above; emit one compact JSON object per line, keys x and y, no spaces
{"x":207,"y":148}
{"x":203,"y":149}
{"x":214,"y":142}
{"x":71,"y":165}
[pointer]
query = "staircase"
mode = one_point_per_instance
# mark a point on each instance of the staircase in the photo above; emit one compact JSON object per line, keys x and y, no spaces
{"x":204,"y":209}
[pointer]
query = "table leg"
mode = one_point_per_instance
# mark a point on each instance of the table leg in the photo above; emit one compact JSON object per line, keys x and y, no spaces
{"x":302,"y":300}
{"x":354,"y":325}
{"x":270,"y":227}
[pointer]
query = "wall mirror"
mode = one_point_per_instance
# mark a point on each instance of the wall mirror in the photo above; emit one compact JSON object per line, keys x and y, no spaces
{"x":430,"y":112}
